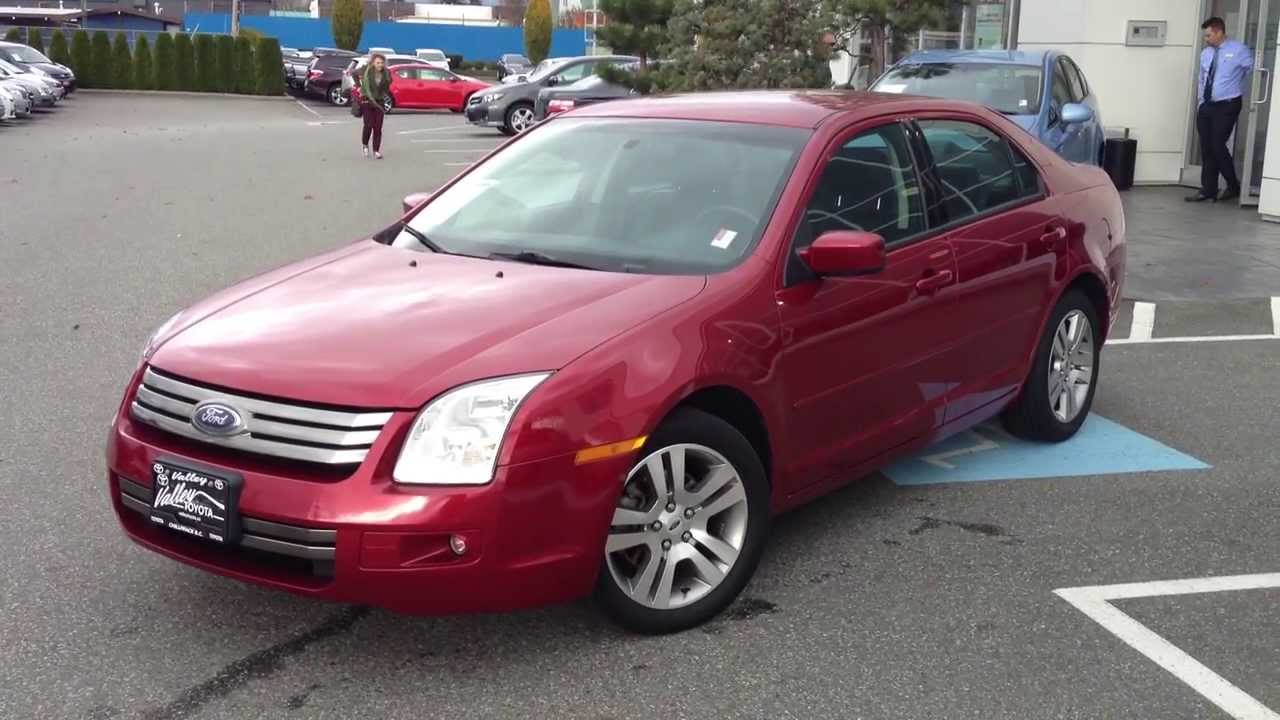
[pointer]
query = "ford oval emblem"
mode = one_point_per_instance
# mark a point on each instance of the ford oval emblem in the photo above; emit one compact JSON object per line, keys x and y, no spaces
{"x":214,"y":417}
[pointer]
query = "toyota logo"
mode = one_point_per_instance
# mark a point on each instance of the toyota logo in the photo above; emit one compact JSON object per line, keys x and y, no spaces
{"x":213,"y":417}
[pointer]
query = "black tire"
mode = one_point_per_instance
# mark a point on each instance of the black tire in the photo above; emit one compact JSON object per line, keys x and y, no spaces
{"x":697,"y":427}
{"x":507,"y":128}
{"x":1031,"y":416}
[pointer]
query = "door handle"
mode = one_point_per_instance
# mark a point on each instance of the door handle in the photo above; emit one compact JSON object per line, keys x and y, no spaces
{"x":1053,"y":236}
{"x":1264,"y":85}
{"x":930,"y":284}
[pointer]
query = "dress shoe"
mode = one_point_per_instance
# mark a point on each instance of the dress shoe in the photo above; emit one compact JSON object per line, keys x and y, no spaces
{"x":1200,"y":197}
{"x":1230,"y":194}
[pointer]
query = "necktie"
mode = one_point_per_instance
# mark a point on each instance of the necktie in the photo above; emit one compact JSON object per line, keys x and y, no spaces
{"x":1208,"y":81}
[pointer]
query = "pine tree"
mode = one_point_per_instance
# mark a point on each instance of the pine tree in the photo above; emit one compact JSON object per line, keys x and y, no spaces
{"x":184,"y":62}
{"x":537,"y":30}
{"x":14,"y":35}
{"x":144,"y":71}
{"x":636,"y":27}
{"x":82,"y":58}
{"x":100,"y":60}
{"x":121,"y":63}
{"x":244,"y":70}
{"x":166,"y":63}
{"x":270,"y":67}
{"x":35,"y":38}
{"x":58,"y":50}
{"x":879,"y":21}
{"x":206,"y":59}
{"x":347,"y":23}
{"x":226,"y":64}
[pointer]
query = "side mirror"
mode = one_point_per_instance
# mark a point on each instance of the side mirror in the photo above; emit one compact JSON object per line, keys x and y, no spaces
{"x":454,"y":78}
{"x":1073,"y":113}
{"x":553,"y":80}
{"x":843,"y":253}
{"x":413,"y":200}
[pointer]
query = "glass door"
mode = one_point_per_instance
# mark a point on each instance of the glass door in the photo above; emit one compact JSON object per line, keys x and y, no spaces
{"x":1262,"y":29}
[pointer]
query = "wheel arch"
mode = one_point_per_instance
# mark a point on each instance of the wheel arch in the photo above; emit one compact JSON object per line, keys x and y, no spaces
{"x":739,"y":410}
{"x":1096,"y":290}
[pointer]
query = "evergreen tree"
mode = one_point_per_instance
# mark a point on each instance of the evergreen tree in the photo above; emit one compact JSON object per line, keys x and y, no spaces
{"x":121,"y":63}
{"x":244,"y":69}
{"x":166,"y":63}
{"x":537,"y":30}
{"x":100,"y":60}
{"x":144,"y":71}
{"x":225,"y":63}
{"x":636,"y":27}
{"x":881,"y":22}
{"x":270,"y":66}
{"x":35,"y":38}
{"x":184,"y":62}
{"x":14,"y":35}
{"x":58,"y":50}
{"x":82,"y":58}
{"x":347,"y":23}
{"x":206,"y":59}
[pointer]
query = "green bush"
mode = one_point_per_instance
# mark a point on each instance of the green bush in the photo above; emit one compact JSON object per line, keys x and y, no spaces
{"x":14,"y":35}
{"x":166,"y":63}
{"x":243,"y":62}
{"x":100,"y":60}
{"x":35,"y":38}
{"x":537,"y":30}
{"x":58,"y":50}
{"x":144,"y":71}
{"x":205,"y":59}
{"x":184,"y":62}
{"x":270,"y":80}
{"x":121,"y":63}
{"x":81,"y":59}
{"x":347,"y":23}
{"x":225,"y":64}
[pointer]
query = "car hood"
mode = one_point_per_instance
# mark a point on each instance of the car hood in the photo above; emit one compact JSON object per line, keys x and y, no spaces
{"x":53,"y":69}
{"x":374,"y":326}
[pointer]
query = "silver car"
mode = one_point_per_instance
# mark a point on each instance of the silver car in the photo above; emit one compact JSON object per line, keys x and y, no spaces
{"x":18,"y":96}
{"x":46,"y":90}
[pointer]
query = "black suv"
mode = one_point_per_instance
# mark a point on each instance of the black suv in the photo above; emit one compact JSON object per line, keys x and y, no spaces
{"x":324,"y":75}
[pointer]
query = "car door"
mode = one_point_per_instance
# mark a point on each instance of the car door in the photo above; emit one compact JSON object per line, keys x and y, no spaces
{"x":1092,"y":135}
{"x":864,"y":363}
{"x":1070,"y":140}
{"x":405,"y":88}
{"x":438,"y":91}
{"x":1008,"y":242}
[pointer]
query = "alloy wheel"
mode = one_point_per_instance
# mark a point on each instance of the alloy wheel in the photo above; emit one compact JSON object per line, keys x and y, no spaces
{"x":678,"y":528}
{"x":335,"y":96}
{"x":1070,"y":366}
{"x":521,"y":119}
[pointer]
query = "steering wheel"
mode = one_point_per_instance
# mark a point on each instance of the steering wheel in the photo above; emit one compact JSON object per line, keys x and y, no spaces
{"x":707,"y":212}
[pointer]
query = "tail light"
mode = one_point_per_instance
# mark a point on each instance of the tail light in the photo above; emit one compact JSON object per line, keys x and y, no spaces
{"x":313,"y":74}
{"x":559,"y":106}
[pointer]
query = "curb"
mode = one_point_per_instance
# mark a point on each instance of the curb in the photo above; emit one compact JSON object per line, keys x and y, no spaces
{"x":182,"y":93}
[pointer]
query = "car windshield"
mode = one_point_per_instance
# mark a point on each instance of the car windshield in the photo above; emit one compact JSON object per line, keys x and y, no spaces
{"x":546,"y":67}
{"x":24,"y":54}
{"x":515,"y":59}
{"x":11,"y":68}
{"x":1010,"y":89}
{"x":672,"y":197}
{"x":431,"y":55}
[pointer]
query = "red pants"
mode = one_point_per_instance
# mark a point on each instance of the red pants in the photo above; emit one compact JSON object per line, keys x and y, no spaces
{"x":372,"y":115}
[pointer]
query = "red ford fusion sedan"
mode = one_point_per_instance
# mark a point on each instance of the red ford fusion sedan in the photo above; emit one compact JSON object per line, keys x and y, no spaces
{"x":600,"y":360}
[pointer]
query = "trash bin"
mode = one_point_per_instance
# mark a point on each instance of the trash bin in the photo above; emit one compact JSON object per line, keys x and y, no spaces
{"x":1119,"y":158}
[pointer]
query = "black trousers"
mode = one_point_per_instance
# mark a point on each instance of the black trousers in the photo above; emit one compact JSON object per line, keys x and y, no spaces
{"x":372,"y":115}
{"x":1215,"y":121}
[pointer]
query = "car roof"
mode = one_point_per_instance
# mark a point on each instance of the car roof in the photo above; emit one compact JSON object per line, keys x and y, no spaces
{"x":783,"y":108}
{"x":1004,"y":57}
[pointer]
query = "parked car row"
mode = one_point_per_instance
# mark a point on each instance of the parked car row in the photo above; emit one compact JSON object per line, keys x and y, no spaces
{"x":424,"y":87}
{"x":29,"y":80}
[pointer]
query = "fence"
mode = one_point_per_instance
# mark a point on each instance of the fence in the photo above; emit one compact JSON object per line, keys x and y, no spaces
{"x":472,"y":43}
{"x":47,"y":34}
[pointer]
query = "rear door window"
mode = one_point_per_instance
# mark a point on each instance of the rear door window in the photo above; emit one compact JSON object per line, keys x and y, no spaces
{"x":977,"y":168}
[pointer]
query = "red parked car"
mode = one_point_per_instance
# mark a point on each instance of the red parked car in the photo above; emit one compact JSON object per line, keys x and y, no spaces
{"x":425,"y":87}
{"x":602,"y":358}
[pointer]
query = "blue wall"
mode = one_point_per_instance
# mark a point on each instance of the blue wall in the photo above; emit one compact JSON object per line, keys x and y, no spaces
{"x":123,"y":22}
{"x":472,"y":43}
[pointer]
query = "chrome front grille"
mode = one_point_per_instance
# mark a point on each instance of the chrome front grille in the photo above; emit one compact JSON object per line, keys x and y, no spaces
{"x":272,"y":428}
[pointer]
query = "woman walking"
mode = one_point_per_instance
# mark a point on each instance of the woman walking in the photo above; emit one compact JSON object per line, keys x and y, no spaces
{"x":374,"y":87}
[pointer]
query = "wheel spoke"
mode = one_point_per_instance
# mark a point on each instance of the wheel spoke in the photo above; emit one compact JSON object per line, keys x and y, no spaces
{"x":717,"y":478}
{"x":1084,"y":376}
{"x":719,"y":549}
{"x":1059,"y":347}
{"x":1068,"y":403}
{"x":1075,"y":330}
{"x":732,"y":495}
{"x":642,"y":585}
{"x":676,"y":454}
{"x":662,"y":592}
{"x":627,"y":540}
{"x":658,"y":474}
{"x":623,"y":517}
{"x":1055,"y":389}
{"x":708,"y":571}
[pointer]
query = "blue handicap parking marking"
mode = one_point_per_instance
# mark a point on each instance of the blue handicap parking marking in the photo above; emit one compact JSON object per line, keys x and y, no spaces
{"x":987,"y":452}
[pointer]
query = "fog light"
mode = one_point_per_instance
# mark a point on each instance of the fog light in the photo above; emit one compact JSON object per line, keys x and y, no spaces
{"x":458,"y":544}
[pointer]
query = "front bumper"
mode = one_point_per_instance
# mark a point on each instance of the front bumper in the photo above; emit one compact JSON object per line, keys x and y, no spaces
{"x":534,"y":536}
{"x":484,"y":115}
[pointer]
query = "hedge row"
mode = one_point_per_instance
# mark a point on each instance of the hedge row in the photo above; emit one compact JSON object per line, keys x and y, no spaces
{"x":210,"y":63}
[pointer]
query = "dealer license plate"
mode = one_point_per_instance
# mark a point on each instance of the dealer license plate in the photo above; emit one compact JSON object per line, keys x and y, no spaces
{"x":195,"y":502}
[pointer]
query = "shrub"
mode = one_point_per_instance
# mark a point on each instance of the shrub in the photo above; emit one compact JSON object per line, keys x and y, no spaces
{"x":14,"y":35}
{"x":243,"y":62}
{"x":270,"y":80}
{"x":184,"y":62}
{"x":121,"y":63}
{"x":58,"y":50}
{"x":225,"y":66}
{"x":347,"y":23}
{"x":144,"y":71}
{"x":35,"y":38}
{"x":537,"y":30}
{"x":455,"y":61}
{"x":205,"y":59}
{"x":100,"y":60}
{"x":166,"y":63}
{"x":81,"y":59}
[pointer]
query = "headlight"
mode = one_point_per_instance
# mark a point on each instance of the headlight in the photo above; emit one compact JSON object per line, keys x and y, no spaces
{"x":149,"y":348}
{"x":490,"y":97}
{"x":455,"y":439}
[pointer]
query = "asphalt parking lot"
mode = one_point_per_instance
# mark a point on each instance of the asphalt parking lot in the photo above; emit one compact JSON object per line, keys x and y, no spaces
{"x":924,"y":591}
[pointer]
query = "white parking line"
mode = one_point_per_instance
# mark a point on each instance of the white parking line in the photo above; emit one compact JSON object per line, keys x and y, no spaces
{"x":449,"y":128}
{"x":458,"y":164}
{"x":304,"y":107}
{"x":456,"y":139}
{"x":1191,"y":339}
{"x":1275,"y":315}
{"x":1095,"y":602}
{"x":461,"y":150}
{"x":1144,"y":321}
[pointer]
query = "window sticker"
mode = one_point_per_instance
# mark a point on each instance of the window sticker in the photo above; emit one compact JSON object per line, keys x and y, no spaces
{"x":723,"y":239}
{"x":895,"y":88}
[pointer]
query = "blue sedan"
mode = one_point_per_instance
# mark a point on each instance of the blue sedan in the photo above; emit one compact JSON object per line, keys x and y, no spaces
{"x":1043,"y":91}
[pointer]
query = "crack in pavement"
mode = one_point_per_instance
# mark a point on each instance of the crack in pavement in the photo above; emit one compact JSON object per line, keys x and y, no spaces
{"x":255,"y":666}
{"x":987,"y":529}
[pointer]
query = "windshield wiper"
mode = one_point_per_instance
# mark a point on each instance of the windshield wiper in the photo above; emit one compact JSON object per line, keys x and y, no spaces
{"x":417,"y":234}
{"x":536,"y":258}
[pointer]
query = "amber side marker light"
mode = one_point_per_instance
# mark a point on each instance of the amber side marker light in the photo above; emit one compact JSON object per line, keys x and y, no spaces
{"x":604,"y":452}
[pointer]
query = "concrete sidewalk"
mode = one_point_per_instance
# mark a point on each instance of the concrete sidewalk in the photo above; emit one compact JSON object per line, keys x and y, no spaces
{"x":1197,"y":251}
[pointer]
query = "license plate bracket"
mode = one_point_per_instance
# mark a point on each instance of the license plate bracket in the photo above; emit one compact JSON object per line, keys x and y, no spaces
{"x":196,"y":500}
